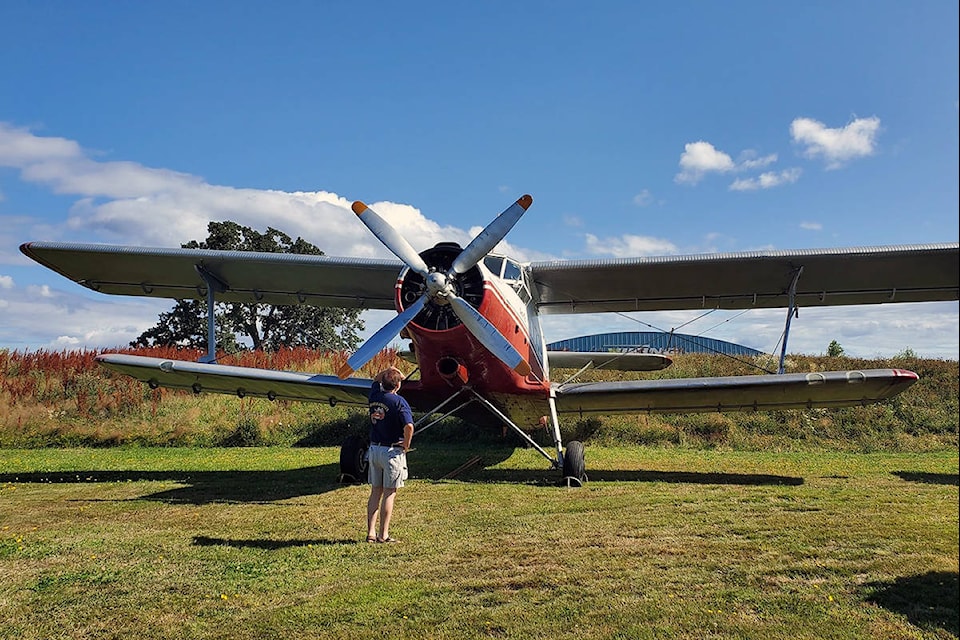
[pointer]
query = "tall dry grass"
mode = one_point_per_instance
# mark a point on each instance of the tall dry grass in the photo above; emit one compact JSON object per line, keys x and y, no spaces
{"x":62,"y":398}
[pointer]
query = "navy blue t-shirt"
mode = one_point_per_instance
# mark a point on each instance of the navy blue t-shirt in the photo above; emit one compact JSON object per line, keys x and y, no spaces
{"x":389,"y":412}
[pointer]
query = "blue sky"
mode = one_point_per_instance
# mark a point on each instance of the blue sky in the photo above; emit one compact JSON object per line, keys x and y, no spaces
{"x":639,"y":129}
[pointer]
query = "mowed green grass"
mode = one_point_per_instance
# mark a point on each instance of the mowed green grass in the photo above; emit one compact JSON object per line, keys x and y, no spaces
{"x":661,"y":543}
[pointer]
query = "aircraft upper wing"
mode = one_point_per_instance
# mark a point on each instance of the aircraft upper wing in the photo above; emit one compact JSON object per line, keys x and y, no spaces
{"x":759,"y":279}
{"x":244,"y":276}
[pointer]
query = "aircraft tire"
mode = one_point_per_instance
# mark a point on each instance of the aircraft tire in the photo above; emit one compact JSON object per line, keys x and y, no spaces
{"x":353,"y":460}
{"x":574,"y":466}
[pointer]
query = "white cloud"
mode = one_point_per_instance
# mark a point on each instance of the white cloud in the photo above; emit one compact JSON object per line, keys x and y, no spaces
{"x":767,"y":180}
{"x":698,"y":159}
{"x":19,"y":147}
{"x":40,"y":291}
{"x":836,"y":146}
{"x":811,"y":226}
{"x":643,"y":199}
{"x":63,"y":318}
{"x":749,"y":161}
{"x":129,"y":203}
{"x":6,"y":282}
{"x":629,"y":246}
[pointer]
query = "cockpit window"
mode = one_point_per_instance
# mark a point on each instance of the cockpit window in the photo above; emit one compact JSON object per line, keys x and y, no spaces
{"x":511,"y":270}
{"x":494,"y":264}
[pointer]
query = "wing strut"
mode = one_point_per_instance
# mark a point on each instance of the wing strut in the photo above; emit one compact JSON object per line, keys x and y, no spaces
{"x":791,"y":310}
{"x":214,"y":285}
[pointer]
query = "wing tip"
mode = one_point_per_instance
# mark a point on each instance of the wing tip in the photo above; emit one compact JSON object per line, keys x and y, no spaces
{"x":344,"y":371}
{"x":359,"y":207}
{"x":525,"y":201}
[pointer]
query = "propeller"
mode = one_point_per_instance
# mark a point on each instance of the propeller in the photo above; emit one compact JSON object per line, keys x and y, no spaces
{"x":487,"y":239}
{"x":390,"y":238}
{"x":440,"y":287}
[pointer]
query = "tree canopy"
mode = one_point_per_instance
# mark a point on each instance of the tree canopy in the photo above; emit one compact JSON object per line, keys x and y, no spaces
{"x":251,"y":325}
{"x":834,"y":350}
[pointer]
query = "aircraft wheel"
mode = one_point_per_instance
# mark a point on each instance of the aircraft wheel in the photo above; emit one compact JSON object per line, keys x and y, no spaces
{"x":574,"y":468}
{"x":353,"y":460}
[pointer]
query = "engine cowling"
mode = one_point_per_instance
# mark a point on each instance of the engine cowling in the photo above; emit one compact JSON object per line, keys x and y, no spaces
{"x":436,"y":314}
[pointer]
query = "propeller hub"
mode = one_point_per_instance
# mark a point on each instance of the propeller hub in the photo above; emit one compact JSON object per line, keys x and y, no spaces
{"x":440,"y":287}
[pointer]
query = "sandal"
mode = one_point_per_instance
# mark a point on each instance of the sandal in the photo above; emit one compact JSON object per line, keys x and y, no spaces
{"x":373,"y":539}
{"x":387,"y":539}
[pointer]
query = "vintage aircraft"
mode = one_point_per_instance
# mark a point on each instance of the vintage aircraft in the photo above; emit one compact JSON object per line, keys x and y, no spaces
{"x":472,"y":317}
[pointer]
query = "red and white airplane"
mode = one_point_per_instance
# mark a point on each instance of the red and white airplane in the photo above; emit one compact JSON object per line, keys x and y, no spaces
{"x":472,"y":317}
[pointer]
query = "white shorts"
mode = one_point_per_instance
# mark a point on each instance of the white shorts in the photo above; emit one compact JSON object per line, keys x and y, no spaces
{"x":388,"y":466}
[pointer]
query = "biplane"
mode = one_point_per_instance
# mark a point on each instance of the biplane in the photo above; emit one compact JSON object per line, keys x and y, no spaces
{"x":472,"y":316}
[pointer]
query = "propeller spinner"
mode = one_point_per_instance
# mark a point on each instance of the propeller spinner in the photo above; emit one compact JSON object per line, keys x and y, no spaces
{"x":440,"y":287}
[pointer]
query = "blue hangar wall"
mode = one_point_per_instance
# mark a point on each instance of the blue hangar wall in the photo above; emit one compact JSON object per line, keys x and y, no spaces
{"x":652,"y":341}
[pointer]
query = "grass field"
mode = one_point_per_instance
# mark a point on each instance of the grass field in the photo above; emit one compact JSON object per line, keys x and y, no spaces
{"x":661,"y":543}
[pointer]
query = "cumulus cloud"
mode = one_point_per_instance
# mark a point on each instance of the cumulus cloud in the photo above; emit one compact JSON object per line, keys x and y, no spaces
{"x":698,"y":159}
{"x":6,"y":282}
{"x":44,"y":317}
{"x":836,"y":146}
{"x":701,"y":158}
{"x":121,"y":201}
{"x":629,"y":246}
{"x":767,"y":180}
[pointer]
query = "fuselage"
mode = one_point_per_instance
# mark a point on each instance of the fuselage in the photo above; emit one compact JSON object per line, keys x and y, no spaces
{"x":450,"y":357}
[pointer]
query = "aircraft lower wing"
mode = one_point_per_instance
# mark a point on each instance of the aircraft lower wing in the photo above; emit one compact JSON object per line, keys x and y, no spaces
{"x":239,"y":381}
{"x":608,"y":360}
{"x":734,"y":393}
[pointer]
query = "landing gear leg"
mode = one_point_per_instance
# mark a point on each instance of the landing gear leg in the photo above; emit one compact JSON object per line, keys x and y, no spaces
{"x":574,"y":473}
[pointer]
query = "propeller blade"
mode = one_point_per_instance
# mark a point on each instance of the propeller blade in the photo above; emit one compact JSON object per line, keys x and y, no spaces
{"x":489,"y":336}
{"x":390,"y":238}
{"x":484,"y":243}
{"x":380,"y":339}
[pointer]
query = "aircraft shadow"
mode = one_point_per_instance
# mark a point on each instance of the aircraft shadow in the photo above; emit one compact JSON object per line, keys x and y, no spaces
{"x":928,"y":601}
{"x":534,"y":476}
{"x":253,"y":487}
{"x":204,"y":487}
{"x":269,"y":545}
{"x":929,"y":478}
{"x":687,"y":477}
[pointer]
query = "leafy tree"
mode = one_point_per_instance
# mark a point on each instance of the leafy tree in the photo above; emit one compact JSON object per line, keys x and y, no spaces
{"x":834,"y":350}
{"x":266,"y":327}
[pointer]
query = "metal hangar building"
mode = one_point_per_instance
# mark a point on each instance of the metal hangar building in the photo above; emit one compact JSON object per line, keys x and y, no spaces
{"x":652,"y":342}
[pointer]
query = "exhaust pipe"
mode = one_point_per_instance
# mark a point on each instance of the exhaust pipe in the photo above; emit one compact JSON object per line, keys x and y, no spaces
{"x":452,"y":371}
